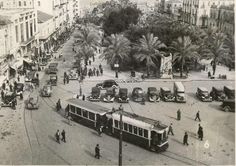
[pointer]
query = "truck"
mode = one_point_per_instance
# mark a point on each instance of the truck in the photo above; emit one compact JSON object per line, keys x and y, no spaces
{"x":179,"y":92}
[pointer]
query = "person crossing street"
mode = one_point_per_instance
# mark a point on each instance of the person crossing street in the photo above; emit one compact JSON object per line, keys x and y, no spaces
{"x":63,"y":135}
{"x":178,"y":114}
{"x":97,"y":152}
{"x":170,"y":130}
{"x":185,"y":141}
{"x":198,"y":116}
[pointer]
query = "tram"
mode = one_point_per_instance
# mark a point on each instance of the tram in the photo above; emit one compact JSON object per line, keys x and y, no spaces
{"x":144,"y":132}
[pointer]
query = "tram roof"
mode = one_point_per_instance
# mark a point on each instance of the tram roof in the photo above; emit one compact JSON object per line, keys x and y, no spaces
{"x":87,"y":105}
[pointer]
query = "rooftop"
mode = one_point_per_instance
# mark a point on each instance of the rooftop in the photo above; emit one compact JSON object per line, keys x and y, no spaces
{"x":43,"y":17}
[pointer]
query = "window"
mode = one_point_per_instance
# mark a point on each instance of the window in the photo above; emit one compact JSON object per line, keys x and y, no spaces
{"x":34,"y":25}
{"x":145,"y":133}
{"x":16,"y":28}
{"x":72,"y":108}
{"x":26,"y":17}
{"x":85,"y":113}
{"x":24,"y":3}
{"x":21,"y":19}
{"x":135,"y":130}
{"x":27,"y":30}
{"x":78,"y":111}
{"x":130,"y":128}
{"x":116,"y":123}
{"x":31,"y":29}
{"x":125,"y":126}
{"x":91,"y":116}
{"x":19,"y":3}
{"x":22,"y":32}
{"x":140,"y":131}
{"x":38,"y":3}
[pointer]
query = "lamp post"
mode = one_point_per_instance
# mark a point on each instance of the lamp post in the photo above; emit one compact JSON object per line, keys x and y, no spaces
{"x":120,"y":141}
{"x":116,"y":66}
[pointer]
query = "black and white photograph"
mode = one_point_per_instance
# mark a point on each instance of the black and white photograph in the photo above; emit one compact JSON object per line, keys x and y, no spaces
{"x":117,"y":82}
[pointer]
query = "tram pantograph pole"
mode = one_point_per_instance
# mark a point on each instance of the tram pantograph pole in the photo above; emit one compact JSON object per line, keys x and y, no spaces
{"x":120,"y":142}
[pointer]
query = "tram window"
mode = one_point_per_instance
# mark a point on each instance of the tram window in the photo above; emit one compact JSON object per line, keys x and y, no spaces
{"x":135,"y":130}
{"x":85,"y":114}
{"x":116,"y":123}
{"x":91,"y":116}
{"x":125,"y":126}
{"x":130,"y":128}
{"x":72,"y":108}
{"x":140,"y":131}
{"x":78,"y":110}
{"x":145,"y":133}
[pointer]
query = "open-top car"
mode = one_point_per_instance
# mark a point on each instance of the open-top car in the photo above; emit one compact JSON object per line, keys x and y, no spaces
{"x":217,"y":94}
{"x":108,"y":84}
{"x":123,"y":95}
{"x":46,"y":91}
{"x":109,"y":95}
{"x":32,"y":102}
{"x":229,"y":92}
{"x":152,"y":94}
{"x":138,"y":94}
{"x":95,"y":94}
{"x":203,"y":94}
{"x":166,"y":95}
{"x":228,"y":105}
{"x":19,"y":88}
{"x":9,"y":100}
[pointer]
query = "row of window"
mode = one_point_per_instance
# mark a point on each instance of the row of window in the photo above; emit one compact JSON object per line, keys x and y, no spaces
{"x":132,"y":129}
{"x":82,"y":112}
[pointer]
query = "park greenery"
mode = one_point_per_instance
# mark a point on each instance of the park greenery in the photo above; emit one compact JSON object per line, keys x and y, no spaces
{"x":137,"y":40}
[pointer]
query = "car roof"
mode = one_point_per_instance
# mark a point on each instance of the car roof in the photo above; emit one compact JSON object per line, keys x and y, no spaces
{"x":137,"y":88}
{"x":95,"y":89}
{"x":165,"y":88}
{"x":217,"y":88}
{"x":152,"y":88}
{"x":123,"y":90}
{"x":229,"y":87}
{"x":109,"y":81}
{"x":203,"y":89}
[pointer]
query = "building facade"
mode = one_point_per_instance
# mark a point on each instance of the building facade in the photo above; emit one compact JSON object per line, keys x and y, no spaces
{"x":197,"y":12}
{"x":174,"y":8}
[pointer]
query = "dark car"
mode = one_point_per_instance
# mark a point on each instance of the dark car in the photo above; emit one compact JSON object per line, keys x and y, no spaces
{"x":53,"y":80}
{"x":153,"y":95}
{"x":217,"y":94}
{"x":19,"y":88}
{"x":229,"y":92}
{"x":107,"y":84}
{"x":123,"y":95}
{"x":109,"y":95}
{"x":95,"y":94}
{"x":203,"y":94}
{"x":9,"y":100}
{"x":138,"y":94}
{"x":166,"y":95}
{"x":228,"y":105}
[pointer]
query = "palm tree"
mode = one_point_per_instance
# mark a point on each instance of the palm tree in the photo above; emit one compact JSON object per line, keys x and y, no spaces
{"x":148,"y":50}
{"x":230,"y":45}
{"x":183,"y":49}
{"x":215,"y":48}
{"x":117,"y":49}
{"x":85,"y":52}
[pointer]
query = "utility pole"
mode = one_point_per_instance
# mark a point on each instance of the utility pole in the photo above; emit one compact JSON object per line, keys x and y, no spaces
{"x":120,"y":142}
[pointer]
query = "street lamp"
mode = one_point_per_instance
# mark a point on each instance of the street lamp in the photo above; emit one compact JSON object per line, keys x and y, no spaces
{"x":120,"y":141}
{"x":116,"y":66}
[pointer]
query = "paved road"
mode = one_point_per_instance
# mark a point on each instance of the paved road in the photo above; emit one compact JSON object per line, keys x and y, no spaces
{"x":33,"y":140}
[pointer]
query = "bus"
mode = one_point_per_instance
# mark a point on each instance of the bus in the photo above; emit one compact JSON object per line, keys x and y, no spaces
{"x":144,"y":132}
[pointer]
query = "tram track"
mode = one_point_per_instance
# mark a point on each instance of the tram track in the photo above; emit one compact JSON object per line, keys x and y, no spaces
{"x":180,"y":158}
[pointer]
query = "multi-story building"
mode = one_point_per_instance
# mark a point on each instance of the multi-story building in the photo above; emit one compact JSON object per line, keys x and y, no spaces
{"x":222,"y":17}
{"x":18,"y":35}
{"x":174,"y":8}
{"x":197,"y":12}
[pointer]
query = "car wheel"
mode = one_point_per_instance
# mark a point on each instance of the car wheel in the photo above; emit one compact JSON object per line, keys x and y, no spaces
{"x":226,"y":108}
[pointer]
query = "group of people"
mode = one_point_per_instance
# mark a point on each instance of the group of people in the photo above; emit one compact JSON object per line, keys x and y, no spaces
{"x":185,"y":138}
{"x":61,"y":135}
{"x":66,"y":79}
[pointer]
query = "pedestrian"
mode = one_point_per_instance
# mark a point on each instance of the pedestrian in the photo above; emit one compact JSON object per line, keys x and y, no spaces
{"x":170,"y":130}
{"x":97,"y":152}
{"x":67,"y":79}
{"x":64,"y":80}
{"x":185,"y":141}
{"x":18,"y":78}
{"x":2,"y":95}
{"x":100,"y":66}
{"x":58,"y":136}
{"x":8,"y":82}
{"x":100,"y":130}
{"x":178,"y":114}
{"x":3,"y":86}
{"x":198,"y":116}
{"x":101,"y":71}
{"x":83,"y":98}
{"x":200,"y":132}
{"x":65,"y":75}
{"x":94,"y":71}
{"x":97,"y":72}
{"x":90,"y":62}
{"x":121,"y":108}
{"x":37,"y":75}
{"x":63,"y":135}
{"x":58,"y":105}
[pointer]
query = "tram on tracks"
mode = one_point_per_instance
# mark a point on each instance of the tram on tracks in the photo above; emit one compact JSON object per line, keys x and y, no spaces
{"x":145,"y":132}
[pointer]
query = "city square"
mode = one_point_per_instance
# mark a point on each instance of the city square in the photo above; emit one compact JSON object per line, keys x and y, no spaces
{"x":28,"y":135}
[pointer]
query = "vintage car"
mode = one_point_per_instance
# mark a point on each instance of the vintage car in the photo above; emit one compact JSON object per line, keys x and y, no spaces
{"x":9,"y":100}
{"x":19,"y":88}
{"x":46,"y":91}
{"x":179,"y":92}
{"x":203,"y":94}
{"x":108,"y":84}
{"x":109,"y":95}
{"x":228,"y":105}
{"x":166,"y":95}
{"x":52,"y":68}
{"x":32,"y":102}
{"x":73,"y":75}
{"x":95,"y":94}
{"x":123,"y":95}
{"x":29,"y":76}
{"x":229,"y":92}
{"x":53,"y":79}
{"x":152,"y":94}
{"x":138,"y":94}
{"x":217,"y":94}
